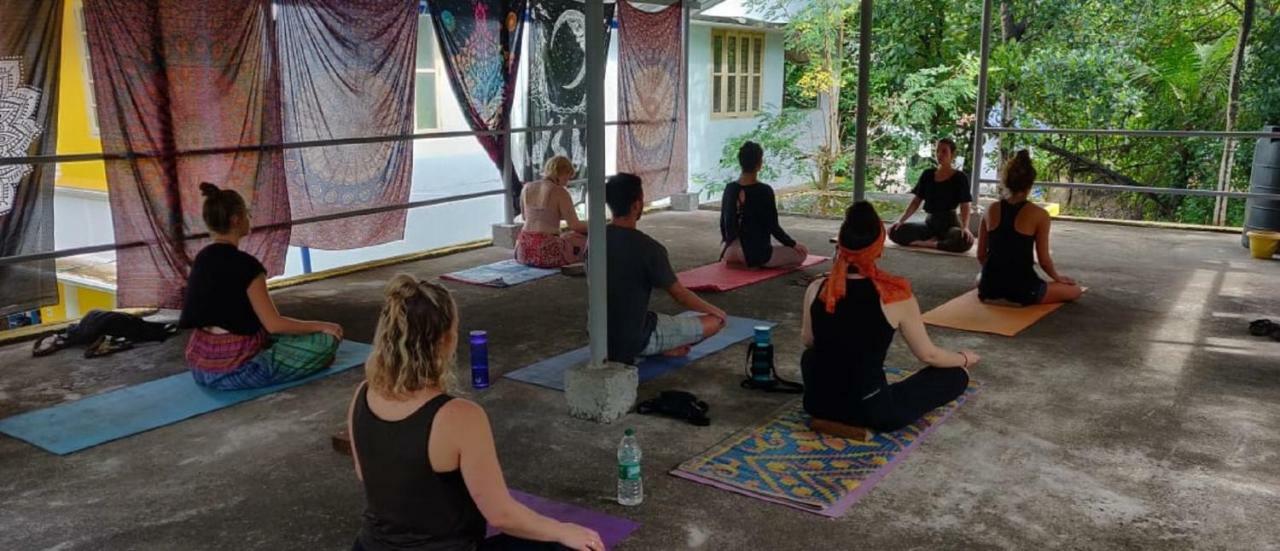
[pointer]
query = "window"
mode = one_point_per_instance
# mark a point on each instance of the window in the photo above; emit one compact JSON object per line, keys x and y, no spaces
{"x":737,"y":67}
{"x":424,"y":78}
{"x":91,"y":104}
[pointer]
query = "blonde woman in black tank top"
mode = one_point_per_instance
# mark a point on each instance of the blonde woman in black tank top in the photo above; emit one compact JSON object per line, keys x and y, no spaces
{"x":427,"y":460}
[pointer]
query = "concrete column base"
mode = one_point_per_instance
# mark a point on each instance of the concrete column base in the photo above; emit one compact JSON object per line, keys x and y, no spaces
{"x":601,"y":393}
{"x":504,"y":235}
{"x":684,"y":202}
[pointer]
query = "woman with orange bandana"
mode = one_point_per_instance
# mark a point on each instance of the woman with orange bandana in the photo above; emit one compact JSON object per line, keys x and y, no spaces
{"x":850,"y":318}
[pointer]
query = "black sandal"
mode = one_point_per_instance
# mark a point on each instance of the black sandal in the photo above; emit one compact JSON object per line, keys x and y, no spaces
{"x":49,"y":344}
{"x":107,"y":345}
{"x":677,"y":404}
{"x":1263,"y":327}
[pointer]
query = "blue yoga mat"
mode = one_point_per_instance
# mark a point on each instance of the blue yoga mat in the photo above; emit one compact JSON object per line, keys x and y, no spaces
{"x":507,"y":273}
{"x":74,"y":426}
{"x":550,"y":372}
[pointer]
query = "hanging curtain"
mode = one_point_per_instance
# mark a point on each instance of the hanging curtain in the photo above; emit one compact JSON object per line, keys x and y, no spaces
{"x":347,"y":71}
{"x":171,"y":76}
{"x":651,"y":91}
{"x":30,"y":49}
{"x":480,"y":43}
{"x":557,"y":81}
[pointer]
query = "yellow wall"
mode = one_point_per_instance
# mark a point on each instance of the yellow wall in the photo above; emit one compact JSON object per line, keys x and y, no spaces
{"x":88,"y":299}
{"x":57,"y":312}
{"x":75,"y":132}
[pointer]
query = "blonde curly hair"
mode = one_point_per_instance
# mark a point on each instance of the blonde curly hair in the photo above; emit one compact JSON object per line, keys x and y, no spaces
{"x":415,"y":344}
{"x":558,"y":166}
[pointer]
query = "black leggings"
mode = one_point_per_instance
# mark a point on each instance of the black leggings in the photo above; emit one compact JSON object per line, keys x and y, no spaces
{"x":944,"y":227}
{"x":906,"y":401}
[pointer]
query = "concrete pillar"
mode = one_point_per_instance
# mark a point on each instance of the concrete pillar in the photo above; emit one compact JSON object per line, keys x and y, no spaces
{"x":684,"y":202}
{"x":504,"y":235}
{"x":598,"y":390}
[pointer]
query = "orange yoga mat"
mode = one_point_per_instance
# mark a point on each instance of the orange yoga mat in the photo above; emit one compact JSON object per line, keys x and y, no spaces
{"x":967,"y":313}
{"x":719,"y":277}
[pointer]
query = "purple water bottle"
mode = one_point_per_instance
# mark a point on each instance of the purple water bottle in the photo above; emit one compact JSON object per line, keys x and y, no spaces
{"x":479,"y":359}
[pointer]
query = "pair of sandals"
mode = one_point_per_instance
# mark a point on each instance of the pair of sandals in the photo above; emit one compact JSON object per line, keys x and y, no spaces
{"x":104,"y":345}
{"x":1265,"y":328}
{"x":679,"y":405}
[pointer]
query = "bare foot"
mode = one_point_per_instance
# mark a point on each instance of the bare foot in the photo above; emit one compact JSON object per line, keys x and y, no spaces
{"x":678,"y":352}
{"x":929,"y":244}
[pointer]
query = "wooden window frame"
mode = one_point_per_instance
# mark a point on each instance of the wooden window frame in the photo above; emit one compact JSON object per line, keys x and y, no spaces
{"x":751,"y":76}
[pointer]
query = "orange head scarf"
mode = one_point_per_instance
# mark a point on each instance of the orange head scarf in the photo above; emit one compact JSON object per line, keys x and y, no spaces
{"x":892,"y":288}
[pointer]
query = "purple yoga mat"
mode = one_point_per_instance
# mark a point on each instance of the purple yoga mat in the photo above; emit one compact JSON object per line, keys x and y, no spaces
{"x":611,"y":529}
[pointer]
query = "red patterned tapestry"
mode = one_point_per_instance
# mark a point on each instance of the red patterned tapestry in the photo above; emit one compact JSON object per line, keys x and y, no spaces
{"x":172,"y":76}
{"x":651,"y":99}
{"x":347,"y":71}
{"x":480,"y":43}
{"x":30,"y":40}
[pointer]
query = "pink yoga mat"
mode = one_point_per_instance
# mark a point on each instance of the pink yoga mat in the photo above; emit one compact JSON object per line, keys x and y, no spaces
{"x":612,"y":529}
{"x":720,"y":277}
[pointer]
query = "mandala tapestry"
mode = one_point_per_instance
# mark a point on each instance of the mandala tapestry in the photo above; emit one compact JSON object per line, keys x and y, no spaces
{"x":651,"y":102}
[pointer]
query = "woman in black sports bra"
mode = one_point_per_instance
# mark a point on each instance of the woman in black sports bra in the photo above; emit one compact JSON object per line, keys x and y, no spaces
{"x":1014,"y":232}
{"x":427,"y":461}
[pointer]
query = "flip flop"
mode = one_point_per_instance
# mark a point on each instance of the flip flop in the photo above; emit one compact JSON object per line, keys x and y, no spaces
{"x":107,"y":345}
{"x":49,"y":344}
{"x":1263,"y":327}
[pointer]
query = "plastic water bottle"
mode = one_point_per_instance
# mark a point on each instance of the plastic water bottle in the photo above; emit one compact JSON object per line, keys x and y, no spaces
{"x":479,"y":359}
{"x":630,"y":483}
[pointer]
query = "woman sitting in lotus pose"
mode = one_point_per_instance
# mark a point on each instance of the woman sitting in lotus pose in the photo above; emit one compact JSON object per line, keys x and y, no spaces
{"x":544,"y":204}
{"x":427,"y":460}
{"x":849,"y":321}
{"x":240,"y":339}
{"x":1014,"y":233}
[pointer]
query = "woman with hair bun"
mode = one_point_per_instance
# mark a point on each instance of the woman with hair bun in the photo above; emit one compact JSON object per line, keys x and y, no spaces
{"x":1014,"y":233}
{"x":427,"y":460}
{"x":240,"y":340}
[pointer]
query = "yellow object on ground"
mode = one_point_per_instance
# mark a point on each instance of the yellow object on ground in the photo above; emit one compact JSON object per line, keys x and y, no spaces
{"x":1053,"y":208}
{"x":1263,"y":244}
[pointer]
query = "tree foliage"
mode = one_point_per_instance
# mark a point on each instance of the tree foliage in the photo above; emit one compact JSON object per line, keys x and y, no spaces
{"x":1123,"y":64}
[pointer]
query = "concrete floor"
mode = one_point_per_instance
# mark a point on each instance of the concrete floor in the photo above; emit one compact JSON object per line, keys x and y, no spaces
{"x":1143,"y":416}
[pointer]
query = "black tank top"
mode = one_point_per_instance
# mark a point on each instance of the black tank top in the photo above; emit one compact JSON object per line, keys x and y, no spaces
{"x":1010,"y":255}
{"x":846,"y":362}
{"x":408,"y":505}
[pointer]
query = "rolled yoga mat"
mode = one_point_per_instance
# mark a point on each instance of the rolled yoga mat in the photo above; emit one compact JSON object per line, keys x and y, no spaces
{"x":612,"y":529}
{"x":784,"y":461}
{"x":550,"y":372}
{"x":967,"y":313}
{"x":719,"y":277}
{"x":507,"y":273}
{"x":84,"y":423}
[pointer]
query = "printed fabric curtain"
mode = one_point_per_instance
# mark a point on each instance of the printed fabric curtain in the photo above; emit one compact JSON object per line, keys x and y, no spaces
{"x":30,"y":40}
{"x":651,"y":92}
{"x":480,"y":43}
{"x":170,"y":77}
{"x":557,"y":81}
{"x":347,"y":71}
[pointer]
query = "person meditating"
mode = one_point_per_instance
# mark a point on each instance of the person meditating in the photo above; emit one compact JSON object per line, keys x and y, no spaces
{"x":749,"y":217}
{"x":240,"y":339}
{"x":1014,"y":233}
{"x":941,"y":190}
{"x":426,"y":459}
{"x":545,"y":203}
{"x":848,"y":324}
{"x":637,"y":264}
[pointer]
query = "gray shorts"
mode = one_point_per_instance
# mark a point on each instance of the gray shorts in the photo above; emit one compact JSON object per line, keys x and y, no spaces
{"x":673,"y":332}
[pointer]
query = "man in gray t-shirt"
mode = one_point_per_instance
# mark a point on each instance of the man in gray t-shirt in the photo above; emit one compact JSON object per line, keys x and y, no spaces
{"x":638,"y":264}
